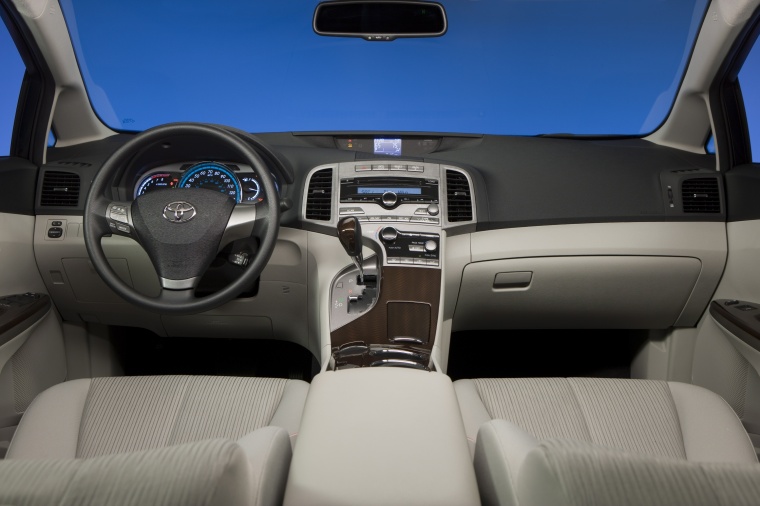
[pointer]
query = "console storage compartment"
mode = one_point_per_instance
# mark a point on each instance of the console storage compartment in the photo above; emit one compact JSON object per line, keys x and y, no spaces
{"x":378,"y":436}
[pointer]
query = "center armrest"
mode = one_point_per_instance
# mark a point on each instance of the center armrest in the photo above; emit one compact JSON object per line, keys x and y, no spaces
{"x":381,"y":436}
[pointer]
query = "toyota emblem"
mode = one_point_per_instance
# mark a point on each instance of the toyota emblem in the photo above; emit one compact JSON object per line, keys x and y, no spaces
{"x":179,"y":212}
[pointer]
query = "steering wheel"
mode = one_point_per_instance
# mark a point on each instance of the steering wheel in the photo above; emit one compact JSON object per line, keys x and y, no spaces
{"x":181,"y":229}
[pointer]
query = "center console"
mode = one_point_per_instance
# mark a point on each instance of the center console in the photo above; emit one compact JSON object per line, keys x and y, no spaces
{"x":393,"y":436}
{"x":385,"y":308}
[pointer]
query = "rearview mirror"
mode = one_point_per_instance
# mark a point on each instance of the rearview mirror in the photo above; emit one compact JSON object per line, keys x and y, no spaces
{"x":380,"y":20}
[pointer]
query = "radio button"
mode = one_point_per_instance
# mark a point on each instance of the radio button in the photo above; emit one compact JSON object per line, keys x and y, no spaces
{"x":416,"y":168}
{"x":403,"y":260}
{"x":396,"y":166}
{"x":388,"y":234}
{"x":351,"y":210}
{"x":362,"y":168}
{"x":404,"y":218}
{"x":381,"y":166}
{"x":420,"y":261}
{"x":421,"y":211}
{"x":389,"y":199}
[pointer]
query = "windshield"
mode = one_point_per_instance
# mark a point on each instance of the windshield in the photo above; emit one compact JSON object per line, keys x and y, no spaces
{"x":524,"y":67}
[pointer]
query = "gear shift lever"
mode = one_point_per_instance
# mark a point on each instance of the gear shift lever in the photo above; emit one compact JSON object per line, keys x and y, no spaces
{"x":350,"y":236}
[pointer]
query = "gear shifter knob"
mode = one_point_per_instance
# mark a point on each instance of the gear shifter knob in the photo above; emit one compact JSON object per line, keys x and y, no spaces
{"x":350,"y":236}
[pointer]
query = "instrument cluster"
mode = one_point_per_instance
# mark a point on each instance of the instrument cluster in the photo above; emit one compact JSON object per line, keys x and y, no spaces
{"x":239,"y":182}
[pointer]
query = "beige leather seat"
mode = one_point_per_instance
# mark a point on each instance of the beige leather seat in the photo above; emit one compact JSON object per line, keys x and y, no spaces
{"x":605,"y":441}
{"x":101,"y":419}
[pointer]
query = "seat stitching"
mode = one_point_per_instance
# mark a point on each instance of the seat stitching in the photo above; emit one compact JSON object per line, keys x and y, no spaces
{"x":580,"y":408}
{"x":70,"y":483}
{"x":480,"y":395}
{"x":85,"y":410}
{"x":260,"y":487}
{"x":225,"y":466}
{"x":180,"y":407}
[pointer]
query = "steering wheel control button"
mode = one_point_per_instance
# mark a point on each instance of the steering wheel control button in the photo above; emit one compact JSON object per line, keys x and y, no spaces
{"x":388,"y":234}
{"x":123,"y":228}
{"x":389,"y":199}
{"x":179,"y":212}
{"x":433,"y":209}
{"x":55,"y":232}
{"x":431,"y":246}
{"x":239,"y":259}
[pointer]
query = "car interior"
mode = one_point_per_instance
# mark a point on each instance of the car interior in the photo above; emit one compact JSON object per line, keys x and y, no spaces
{"x":372,"y":252}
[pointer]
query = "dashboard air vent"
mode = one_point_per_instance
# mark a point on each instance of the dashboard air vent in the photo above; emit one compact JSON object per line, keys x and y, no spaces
{"x":700,"y":195}
{"x":319,"y":196}
{"x":60,"y":189}
{"x":458,"y":196}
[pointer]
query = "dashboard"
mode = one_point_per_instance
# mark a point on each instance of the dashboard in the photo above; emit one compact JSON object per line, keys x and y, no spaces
{"x":238,"y":181}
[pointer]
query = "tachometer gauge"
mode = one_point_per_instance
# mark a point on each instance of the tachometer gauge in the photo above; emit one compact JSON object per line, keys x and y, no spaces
{"x":212,"y":176}
{"x":155,"y":182}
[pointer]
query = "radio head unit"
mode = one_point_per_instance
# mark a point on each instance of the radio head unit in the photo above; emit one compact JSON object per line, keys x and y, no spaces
{"x":389,"y":192}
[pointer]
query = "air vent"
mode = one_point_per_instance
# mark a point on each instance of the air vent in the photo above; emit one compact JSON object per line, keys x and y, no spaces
{"x":60,"y":189}
{"x":319,"y":196}
{"x":700,"y":195}
{"x":458,"y":197}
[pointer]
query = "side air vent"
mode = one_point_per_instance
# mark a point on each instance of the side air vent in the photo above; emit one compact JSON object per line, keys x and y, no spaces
{"x":60,"y":189}
{"x":458,"y":196}
{"x":700,"y":195}
{"x":319,"y":196}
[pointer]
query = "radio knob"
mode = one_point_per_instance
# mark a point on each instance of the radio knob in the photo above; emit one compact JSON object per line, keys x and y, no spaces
{"x":389,"y":199}
{"x":388,"y":234}
{"x":431,"y":246}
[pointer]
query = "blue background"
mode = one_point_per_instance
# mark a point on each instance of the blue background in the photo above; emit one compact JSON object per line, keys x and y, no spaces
{"x":175,"y":62}
{"x":506,"y":67}
{"x":11,"y":76}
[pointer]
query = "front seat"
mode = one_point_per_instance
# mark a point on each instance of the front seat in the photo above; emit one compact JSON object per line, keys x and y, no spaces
{"x":91,"y":418}
{"x":555,"y":439}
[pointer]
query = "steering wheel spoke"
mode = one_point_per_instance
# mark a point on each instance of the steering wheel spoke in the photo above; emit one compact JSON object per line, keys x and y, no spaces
{"x":241,"y":224}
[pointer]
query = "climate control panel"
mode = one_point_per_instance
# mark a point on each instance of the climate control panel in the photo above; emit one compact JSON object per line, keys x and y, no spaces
{"x":410,"y":248}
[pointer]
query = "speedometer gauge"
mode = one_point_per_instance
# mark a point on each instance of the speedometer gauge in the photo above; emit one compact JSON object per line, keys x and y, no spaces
{"x":212,"y":176}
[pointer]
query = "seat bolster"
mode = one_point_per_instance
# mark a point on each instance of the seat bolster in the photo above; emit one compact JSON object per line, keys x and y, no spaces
{"x":290,"y":410}
{"x":269,"y":453}
{"x":204,"y":473}
{"x":564,"y":472}
{"x":711,"y":430}
{"x":474,"y":412}
{"x":50,"y":426}
{"x":500,"y":451}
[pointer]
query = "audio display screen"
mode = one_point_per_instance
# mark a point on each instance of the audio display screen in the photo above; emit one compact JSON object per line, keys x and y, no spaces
{"x":377,"y":190}
{"x":390,"y":147}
